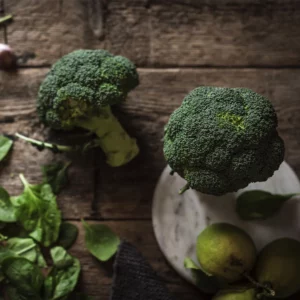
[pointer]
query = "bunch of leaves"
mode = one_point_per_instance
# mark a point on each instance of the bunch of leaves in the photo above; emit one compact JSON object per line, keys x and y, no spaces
{"x":25,"y":279}
{"x":37,"y":212}
{"x":30,"y":225}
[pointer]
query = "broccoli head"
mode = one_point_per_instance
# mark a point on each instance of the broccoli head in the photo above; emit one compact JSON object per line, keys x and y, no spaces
{"x":221,"y":139}
{"x":78,"y":92}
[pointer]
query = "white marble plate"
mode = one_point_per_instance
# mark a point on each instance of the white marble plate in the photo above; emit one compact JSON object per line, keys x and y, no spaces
{"x":178,"y":219}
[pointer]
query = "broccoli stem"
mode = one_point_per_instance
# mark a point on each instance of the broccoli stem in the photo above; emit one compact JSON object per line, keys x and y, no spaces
{"x":115,"y":142}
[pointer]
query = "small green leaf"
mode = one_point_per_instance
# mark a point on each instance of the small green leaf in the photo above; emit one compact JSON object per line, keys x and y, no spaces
{"x":67,"y":235}
{"x":100,"y":241}
{"x":5,"y":146}
{"x":7,"y":210}
{"x":13,"y":293}
{"x":3,"y":237}
{"x":26,"y":247}
{"x":259,"y":205}
{"x":190,"y":264}
{"x":18,"y":247}
{"x":207,"y":284}
{"x":25,"y":276}
{"x":37,"y":212}
{"x":56,"y":175}
{"x":63,"y":277}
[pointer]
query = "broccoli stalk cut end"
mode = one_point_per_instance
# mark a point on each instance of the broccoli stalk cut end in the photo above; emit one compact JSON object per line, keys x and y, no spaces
{"x":115,"y":142}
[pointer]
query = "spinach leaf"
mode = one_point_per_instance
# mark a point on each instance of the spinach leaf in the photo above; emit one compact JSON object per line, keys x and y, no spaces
{"x":67,"y":235}
{"x":56,"y":175}
{"x":7,"y":210}
{"x":26,"y":247}
{"x":63,"y":277}
{"x":37,"y":212}
{"x":13,"y":294}
{"x":24,"y":276}
{"x":5,"y":146}
{"x":206,"y":283}
{"x":100,"y":241}
{"x":259,"y":205}
{"x":18,"y":247}
{"x":3,"y":237}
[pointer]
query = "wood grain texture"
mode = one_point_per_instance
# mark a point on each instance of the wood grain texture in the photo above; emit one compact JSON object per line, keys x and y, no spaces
{"x":102,"y":192}
{"x":228,"y":33}
{"x":97,"y":277}
{"x":45,"y":30}
{"x":17,"y":114}
{"x":159,"y":32}
{"x":152,"y":33}
{"x":127,"y":191}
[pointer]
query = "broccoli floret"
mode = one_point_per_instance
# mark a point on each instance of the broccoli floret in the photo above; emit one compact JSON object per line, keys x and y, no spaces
{"x":222,"y":139}
{"x":78,"y":92}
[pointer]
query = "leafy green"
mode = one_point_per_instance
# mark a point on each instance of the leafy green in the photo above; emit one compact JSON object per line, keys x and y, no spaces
{"x":5,"y":146}
{"x":260,"y":205}
{"x":7,"y":210}
{"x":207,"y":284}
{"x":24,"y":276}
{"x":56,"y":175}
{"x":21,"y":247}
{"x":37,"y":212}
{"x":67,"y":235}
{"x":25,"y":247}
{"x":63,"y":277}
{"x":100,"y":240}
{"x":3,"y":237}
{"x":13,"y":293}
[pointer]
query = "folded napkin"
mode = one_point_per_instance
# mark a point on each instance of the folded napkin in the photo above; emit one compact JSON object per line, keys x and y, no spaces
{"x":134,"y":279}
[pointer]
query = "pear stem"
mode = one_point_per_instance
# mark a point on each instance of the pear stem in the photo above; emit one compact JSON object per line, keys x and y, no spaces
{"x":270,"y":292}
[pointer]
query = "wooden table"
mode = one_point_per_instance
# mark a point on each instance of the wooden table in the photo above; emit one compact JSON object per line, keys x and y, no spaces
{"x":177,"y":45}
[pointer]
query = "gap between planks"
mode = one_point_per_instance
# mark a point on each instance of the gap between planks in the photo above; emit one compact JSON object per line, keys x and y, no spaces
{"x":187,"y":67}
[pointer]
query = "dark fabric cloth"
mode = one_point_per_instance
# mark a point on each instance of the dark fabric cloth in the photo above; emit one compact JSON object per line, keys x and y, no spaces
{"x":134,"y":279}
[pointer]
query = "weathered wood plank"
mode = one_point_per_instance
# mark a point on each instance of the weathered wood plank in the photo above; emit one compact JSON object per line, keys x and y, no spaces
{"x":160,"y":33}
{"x":97,"y":277}
{"x":17,"y":114}
{"x":41,"y":35}
{"x":126,"y":192}
{"x":231,"y":33}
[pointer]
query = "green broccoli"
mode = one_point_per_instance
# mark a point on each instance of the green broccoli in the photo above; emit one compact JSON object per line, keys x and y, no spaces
{"x":78,"y":92}
{"x":221,"y":139}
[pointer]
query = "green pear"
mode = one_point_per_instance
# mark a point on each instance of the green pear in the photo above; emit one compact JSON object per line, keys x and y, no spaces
{"x":225,"y":251}
{"x":238,"y":293}
{"x":278,"y":266}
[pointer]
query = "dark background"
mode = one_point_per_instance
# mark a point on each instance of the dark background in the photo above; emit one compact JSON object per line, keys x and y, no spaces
{"x":177,"y":46}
